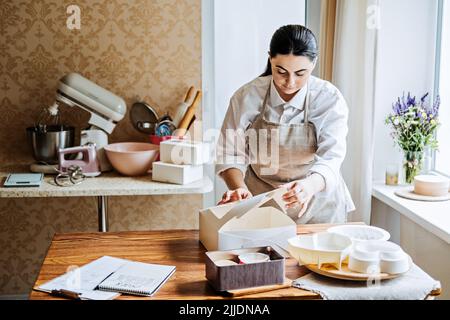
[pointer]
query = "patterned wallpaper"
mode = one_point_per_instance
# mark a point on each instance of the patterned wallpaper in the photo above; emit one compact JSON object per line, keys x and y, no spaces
{"x":142,"y":49}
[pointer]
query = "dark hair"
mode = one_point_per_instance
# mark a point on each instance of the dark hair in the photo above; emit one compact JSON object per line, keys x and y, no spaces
{"x":292,"y":39}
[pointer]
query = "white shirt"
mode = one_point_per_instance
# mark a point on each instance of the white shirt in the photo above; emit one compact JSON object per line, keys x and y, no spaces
{"x":328,"y":111}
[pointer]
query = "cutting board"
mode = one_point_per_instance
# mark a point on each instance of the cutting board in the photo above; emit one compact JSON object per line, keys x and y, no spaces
{"x":410,"y":195}
{"x":248,"y":291}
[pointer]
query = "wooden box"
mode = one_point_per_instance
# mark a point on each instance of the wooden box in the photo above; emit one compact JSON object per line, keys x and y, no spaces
{"x":242,"y":276}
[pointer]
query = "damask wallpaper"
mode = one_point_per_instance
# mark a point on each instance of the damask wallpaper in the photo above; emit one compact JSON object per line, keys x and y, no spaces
{"x":138,"y":49}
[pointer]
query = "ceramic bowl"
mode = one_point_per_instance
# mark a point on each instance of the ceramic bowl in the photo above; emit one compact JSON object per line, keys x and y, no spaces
{"x":132,"y":158}
{"x":320,"y":248}
{"x":248,"y":258}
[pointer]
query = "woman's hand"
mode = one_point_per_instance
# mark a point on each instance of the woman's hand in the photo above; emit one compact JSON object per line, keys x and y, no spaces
{"x":235,"y":195}
{"x":301,"y":192}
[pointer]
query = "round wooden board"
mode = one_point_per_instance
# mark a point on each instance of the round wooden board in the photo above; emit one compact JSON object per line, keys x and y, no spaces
{"x":329,"y":270}
{"x":410,"y":195}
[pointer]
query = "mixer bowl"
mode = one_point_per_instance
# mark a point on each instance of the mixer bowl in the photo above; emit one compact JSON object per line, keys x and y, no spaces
{"x":45,"y":144}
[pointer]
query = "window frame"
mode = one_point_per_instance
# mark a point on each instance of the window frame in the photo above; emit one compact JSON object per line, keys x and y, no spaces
{"x":437,"y":76}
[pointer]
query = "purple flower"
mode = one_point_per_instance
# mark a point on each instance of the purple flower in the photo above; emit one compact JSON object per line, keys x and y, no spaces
{"x":402,"y":105}
{"x":436,"y":105}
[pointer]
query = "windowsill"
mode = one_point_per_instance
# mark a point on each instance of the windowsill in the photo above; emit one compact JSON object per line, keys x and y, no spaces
{"x":432,"y":216}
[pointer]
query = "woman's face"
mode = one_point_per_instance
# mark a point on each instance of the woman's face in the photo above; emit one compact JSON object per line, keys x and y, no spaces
{"x":290,"y":73}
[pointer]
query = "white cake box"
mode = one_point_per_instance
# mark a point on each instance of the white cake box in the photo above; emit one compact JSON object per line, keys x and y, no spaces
{"x":259,"y":221}
{"x":176,"y":174}
{"x":184,"y":152}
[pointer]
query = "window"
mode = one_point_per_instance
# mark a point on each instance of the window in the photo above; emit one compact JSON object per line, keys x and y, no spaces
{"x":442,"y":158}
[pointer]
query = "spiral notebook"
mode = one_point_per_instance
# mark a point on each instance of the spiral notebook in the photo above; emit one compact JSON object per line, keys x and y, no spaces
{"x":137,"y":278}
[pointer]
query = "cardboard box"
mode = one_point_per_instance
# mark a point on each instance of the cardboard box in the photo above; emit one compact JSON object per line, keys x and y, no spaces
{"x":259,"y":221}
{"x":241,"y":276}
{"x":184,"y":152}
{"x":176,"y":174}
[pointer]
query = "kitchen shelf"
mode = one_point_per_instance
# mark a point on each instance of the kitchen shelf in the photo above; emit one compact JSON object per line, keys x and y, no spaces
{"x":108,"y":184}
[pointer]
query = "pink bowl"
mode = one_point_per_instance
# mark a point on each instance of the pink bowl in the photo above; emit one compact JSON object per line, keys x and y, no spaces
{"x":132,"y":158}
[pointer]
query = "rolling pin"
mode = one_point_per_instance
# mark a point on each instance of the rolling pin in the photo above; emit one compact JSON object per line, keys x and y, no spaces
{"x":182,"y":108}
{"x":190,"y":113}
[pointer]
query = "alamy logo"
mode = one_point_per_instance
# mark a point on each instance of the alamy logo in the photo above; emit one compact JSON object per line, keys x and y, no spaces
{"x":74,"y":20}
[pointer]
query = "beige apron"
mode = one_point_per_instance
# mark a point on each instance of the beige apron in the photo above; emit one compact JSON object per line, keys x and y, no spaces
{"x":297,"y":148}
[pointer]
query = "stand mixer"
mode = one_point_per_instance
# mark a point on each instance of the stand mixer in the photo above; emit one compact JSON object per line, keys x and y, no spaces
{"x":106,"y":111}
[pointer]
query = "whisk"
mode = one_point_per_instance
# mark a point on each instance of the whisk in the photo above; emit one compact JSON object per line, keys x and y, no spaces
{"x":49,"y":116}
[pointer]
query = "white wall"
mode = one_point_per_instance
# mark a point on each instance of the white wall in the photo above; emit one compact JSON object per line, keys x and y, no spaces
{"x":242,"y":33}
{"x":406,"y":57}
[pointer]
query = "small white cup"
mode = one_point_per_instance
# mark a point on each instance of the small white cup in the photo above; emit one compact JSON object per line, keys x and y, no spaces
{"x":249,"y":258}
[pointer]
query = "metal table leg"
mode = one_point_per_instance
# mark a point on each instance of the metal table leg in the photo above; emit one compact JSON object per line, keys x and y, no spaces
{"x":102,"y":213}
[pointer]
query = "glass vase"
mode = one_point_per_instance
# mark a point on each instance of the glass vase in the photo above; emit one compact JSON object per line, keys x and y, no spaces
{"x":412,"y":165}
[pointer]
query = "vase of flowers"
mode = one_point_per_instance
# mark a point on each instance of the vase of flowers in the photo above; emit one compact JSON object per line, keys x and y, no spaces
{"x":414,"y":125}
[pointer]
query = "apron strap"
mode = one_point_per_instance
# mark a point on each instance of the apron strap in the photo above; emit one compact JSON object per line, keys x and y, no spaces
{"x":306,"y":106}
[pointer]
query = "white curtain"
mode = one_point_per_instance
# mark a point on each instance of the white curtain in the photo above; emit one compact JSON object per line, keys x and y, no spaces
{"x":357,"y":23}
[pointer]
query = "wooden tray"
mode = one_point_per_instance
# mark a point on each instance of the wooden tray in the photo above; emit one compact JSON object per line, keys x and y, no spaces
{"x":329,"y":270}
{"x":410,"y":195}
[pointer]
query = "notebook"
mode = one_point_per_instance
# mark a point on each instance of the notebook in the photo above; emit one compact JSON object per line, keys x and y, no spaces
{"x":137,"y":278}
{"x":113,"y":275}
{"x":83,"y":281}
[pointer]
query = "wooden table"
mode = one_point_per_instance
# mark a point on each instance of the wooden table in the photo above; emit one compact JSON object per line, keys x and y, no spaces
{"x":179,"y":248}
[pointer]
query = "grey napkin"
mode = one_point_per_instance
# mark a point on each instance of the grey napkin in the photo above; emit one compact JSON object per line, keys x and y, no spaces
{"x":413,"y":285}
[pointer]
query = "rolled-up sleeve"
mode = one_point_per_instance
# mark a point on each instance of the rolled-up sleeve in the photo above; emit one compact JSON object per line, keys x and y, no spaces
{"x":231,"y":146}
{"x":332,"y":129}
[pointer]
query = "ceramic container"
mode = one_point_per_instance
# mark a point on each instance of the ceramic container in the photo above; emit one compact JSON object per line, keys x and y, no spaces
{"x":248,"y":258}
{"x":432,"y":186}
{"x":133,"y":158}
{"x":378,"y":256}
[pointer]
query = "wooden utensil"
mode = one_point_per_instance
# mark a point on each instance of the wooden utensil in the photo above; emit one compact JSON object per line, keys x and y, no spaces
{"x":245,"y":292}
{"x":181,"y":109}
{"x":189,"y":114}
{"x":188,"y":96}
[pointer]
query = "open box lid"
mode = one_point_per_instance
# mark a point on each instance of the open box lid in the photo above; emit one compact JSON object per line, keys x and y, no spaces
{"x":261,"y":220}
{"x":237,"y":210}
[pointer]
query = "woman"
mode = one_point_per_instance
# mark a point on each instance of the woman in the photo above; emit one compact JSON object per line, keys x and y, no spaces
{"x":306,"y":117}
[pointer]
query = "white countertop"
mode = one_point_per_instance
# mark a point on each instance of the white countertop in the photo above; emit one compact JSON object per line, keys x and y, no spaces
{"x":108,"y":184}
{"x":432,"y":216}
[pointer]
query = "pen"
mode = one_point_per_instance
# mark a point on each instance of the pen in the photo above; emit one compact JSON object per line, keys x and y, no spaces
{"x":66,"y":294}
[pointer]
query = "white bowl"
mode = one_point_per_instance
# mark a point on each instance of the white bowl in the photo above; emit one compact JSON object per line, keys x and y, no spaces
{"x":248,"y":258}
{"x":378,"y":256}
{"x":361,"y":233}
{"x":320,"y":248}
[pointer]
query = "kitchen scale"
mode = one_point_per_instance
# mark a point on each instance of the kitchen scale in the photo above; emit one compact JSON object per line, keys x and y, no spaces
{"x":15,"y":180}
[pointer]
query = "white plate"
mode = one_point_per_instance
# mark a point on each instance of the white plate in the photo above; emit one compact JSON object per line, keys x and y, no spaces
{"x":361,"y":233}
